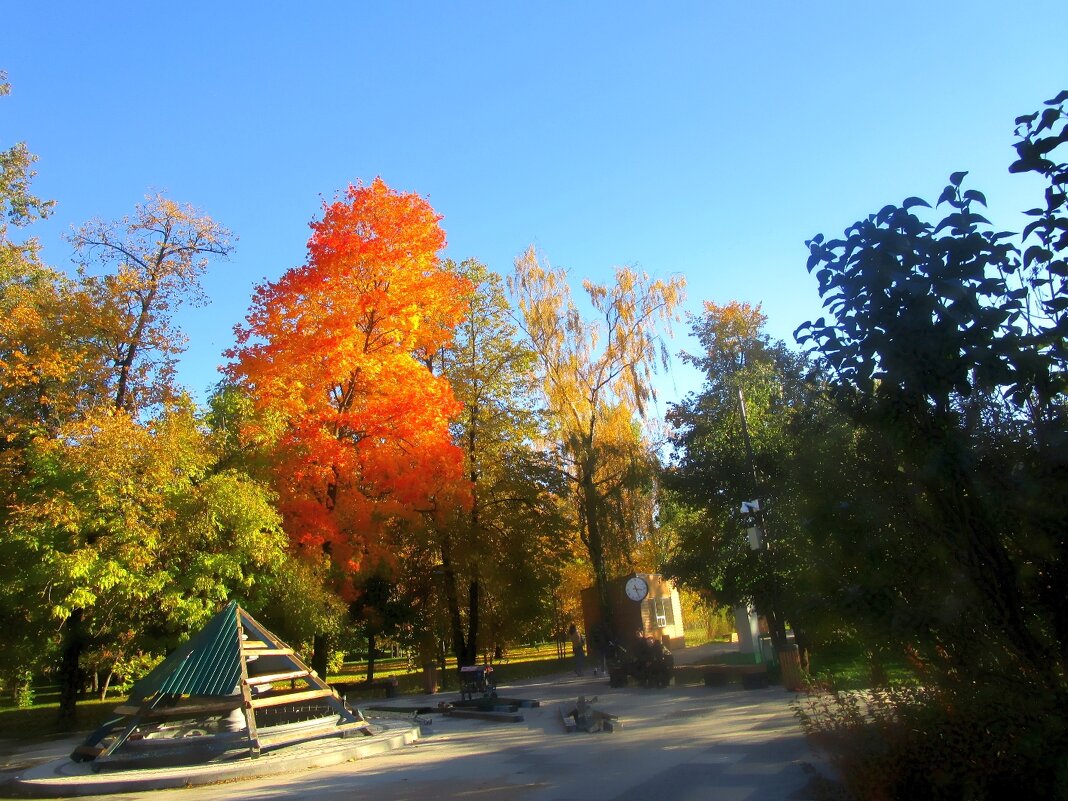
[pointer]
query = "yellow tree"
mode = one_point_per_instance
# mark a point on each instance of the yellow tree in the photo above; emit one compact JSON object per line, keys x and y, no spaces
{"x":86,"y":380}
{"x":158,"y":255}
{"x":125,"y":527}
{"x":596,"y":378}
{"x":506,"y":546}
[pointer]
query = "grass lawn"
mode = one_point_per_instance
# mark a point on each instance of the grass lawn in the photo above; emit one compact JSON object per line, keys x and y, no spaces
{"x":845,"y":667}
{"x":39,"y":722}
{"x":840,"y":665}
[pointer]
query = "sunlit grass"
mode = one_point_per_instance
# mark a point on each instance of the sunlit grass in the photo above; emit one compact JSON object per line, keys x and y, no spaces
{"x":42,"y":720}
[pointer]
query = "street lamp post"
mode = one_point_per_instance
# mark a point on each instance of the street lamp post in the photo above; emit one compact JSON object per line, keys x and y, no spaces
{"x":758,"y":537}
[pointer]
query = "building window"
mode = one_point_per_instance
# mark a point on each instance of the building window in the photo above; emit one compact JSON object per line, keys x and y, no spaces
{"x":663,"y":613}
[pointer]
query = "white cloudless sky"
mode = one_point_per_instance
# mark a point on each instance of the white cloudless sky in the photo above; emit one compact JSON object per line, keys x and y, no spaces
{"x":708,"y":139}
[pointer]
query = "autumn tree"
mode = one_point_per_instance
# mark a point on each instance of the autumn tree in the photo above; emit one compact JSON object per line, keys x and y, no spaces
{"x":595,"y":377}
{"x":503,"y":548}
{"x":123,"y":528}
{"x":30,"y":296}
{"x":335,"y":353}
{"x":100,"y":458}
{"x":157,"y":258}
{"x":18,"y":206}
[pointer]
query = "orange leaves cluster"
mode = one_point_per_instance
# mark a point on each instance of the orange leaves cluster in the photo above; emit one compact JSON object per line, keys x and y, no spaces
{"x":336,"y":351}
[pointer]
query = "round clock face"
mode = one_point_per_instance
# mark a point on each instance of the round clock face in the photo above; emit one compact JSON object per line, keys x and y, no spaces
{"x":637,"y":588}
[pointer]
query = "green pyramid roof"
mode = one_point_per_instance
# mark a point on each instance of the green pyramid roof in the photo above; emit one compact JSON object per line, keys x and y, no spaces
{"x":208,"y":664}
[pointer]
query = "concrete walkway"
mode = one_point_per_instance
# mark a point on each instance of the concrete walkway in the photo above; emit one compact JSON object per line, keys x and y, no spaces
{"x":677,"y":744}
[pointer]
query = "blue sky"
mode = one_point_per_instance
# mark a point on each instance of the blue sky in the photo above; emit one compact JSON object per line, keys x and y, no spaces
{"x":704,"y":138}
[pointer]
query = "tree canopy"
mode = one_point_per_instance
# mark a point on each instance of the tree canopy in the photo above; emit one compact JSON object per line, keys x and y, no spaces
{"x":335,"y":356}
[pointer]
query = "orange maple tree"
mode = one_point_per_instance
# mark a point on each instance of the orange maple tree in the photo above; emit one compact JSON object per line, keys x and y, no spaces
{"x":335,"y":355}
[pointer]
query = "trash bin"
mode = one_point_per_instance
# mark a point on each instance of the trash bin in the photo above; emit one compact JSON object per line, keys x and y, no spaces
{"x":430,"y":677}
{"x":617,"y":677}
{"x":790,"y":666}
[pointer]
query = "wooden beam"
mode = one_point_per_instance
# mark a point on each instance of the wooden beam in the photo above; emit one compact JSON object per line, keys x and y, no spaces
{"x":291,"y":698}
{"x":180,"y":711}
{"x":270,"y":739}
{"x":271,"y":678}
{"x":246,"y":698}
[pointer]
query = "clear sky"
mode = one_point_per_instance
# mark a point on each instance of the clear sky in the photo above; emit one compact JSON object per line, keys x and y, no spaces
{"x":704,"y":138}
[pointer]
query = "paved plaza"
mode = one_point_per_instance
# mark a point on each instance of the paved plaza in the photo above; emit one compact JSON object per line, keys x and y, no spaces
{"x":675,"y":744}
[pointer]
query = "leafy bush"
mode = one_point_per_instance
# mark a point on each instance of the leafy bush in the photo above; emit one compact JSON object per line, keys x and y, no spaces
{"x":19,"y":685}
{"x":918,"y":743}
{"x":134,"y":667}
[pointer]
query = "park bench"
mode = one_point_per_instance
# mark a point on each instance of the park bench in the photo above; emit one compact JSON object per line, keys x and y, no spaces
{"x":752,"y":677}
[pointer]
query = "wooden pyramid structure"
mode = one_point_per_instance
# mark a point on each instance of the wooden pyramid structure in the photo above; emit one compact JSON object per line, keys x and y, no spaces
{"x":233,"y":685}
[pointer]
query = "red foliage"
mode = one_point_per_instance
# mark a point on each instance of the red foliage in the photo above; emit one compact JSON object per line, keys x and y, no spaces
{"x":335,"y":356}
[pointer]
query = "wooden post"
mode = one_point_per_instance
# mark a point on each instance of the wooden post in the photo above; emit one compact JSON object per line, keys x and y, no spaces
{"x":246,"y":694}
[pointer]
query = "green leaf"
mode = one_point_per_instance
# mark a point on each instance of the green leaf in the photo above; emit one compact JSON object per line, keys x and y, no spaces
{"x":1049,"y":117}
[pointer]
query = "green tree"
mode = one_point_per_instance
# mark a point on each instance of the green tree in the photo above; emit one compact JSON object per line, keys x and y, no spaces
{"x":381,"y":608}
{"x":717,"y":468}
{"x":131,"y":537}
{"x":926,"y":321}
{"x":1045,"y":265}
{"x":945,"y":348}
{"x":503,"y":549}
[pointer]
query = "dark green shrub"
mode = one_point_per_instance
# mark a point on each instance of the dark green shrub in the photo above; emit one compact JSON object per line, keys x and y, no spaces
{"x":970,"y":742}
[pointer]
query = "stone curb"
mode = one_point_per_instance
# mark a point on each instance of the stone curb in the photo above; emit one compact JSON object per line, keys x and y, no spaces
{"x":62,"y":778}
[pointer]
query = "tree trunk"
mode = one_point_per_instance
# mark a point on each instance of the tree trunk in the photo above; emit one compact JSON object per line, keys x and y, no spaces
{"x":804,"y":651}
{"x":776,"y":627}
{"x":471,"y":651}
{"x":105,"y":685}
{"x":70,"y":675}
{"x":463,"y":646}
{"x":320,"y":655}
{"x":126,"y":365}
{"x":370,"y":656}
{"x":595,"y":546}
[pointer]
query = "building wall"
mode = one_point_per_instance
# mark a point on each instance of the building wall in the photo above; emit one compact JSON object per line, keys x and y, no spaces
{"x":658,"y":616}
